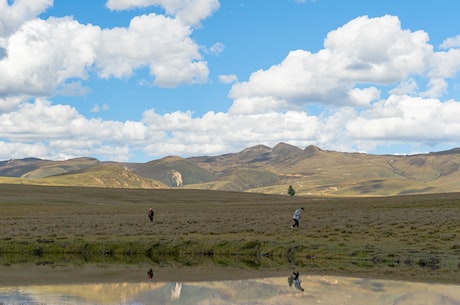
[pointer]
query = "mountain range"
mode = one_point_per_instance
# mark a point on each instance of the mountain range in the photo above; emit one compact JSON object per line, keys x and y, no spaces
{"x":310,"y":171}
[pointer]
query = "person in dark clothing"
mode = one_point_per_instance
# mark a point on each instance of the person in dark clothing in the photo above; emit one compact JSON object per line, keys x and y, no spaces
{"x":151,"y":214}
{"x":150,"y":273}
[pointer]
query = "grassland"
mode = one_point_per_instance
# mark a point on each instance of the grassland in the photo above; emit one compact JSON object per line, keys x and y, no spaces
{"x":406,"y":237}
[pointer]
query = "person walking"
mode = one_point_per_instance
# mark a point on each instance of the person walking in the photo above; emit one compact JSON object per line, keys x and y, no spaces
{"x":151,"y":214}
{"x":296,"y":217}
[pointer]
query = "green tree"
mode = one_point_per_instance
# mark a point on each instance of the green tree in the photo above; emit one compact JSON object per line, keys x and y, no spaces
{"x":291,"y":190}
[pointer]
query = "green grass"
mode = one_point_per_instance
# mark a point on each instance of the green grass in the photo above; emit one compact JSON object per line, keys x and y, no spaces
{"x":412,"y":237}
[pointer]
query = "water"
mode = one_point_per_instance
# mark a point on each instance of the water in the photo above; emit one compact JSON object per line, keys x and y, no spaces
{"x":269,"y":290}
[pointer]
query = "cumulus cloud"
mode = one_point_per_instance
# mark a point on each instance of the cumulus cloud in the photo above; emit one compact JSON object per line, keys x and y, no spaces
{"x":398,"y":119}
{"x":408,"y":119}
{"x":363,"y":97}
{"x":160,"y":42}
{"x":67,"y":131}
{"x":13,"y":15}
{"x":365,"y":50}
{"x":451,"y":42}
{"x":445,"y":64}
{"x":190,"y":12}
{"x":70,"y":134}
{"x":407,"y":86}
{"x":436,"y":88}
{"x":42,"y":54}
{"x":10,"y":103}
{"x":222,"y":132}
{"x":18,"y":150}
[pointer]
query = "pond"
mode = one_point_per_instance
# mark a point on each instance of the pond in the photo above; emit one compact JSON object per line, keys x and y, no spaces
{"x":135,"y":286}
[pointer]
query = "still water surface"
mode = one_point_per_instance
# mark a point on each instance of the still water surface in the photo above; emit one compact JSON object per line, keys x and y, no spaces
{"x":271,"y":290}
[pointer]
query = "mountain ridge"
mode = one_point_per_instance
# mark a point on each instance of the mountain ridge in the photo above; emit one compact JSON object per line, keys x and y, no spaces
{"x":310,"y":171}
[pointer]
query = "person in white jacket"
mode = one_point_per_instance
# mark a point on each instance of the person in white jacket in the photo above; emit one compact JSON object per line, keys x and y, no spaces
{"x":294,"y":279}
{"x":296,"y":217}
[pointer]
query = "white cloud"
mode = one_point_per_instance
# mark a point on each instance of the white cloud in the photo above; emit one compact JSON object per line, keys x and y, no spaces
{"x":257,"y":105}
{"x":13,"y":15}
{"x":228,"y":78}
{"x":161,"y":43}
{"x":407,"y":86}
{"x":96,"y":108}
{"x":188,"y":11}
{"x":445,"y":64}
{"x":217,"y":48}
{"x":407,"y":119}
{"x":43,"y":54}
{"x":18,"y":150}
{"x":9,"y":103}
{"x":365,"y":50}
{"x":73,"y":89}
{"x":59,"y":131}
{"x":63,"y":131}
{"x":33,"y":121}
{"x":378,"y":50}
{"x":452,"y":42}
{"x":363,"y":97}
{"x":436,"y":88}
{"x":222,"y":132}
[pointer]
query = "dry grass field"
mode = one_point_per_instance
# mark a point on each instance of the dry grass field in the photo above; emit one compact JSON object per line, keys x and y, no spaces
{"x":407,"y":237}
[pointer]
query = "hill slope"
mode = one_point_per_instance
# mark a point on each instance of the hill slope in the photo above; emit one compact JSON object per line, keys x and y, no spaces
{"x":174,"y":171}
{"x":37,"y":168}
{"x":107,"y":176}
{"x":311,"y":171}
{"x":314,"y":171}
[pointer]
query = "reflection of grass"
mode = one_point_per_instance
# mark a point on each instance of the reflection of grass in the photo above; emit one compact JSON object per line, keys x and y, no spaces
{"x":414,"y":236}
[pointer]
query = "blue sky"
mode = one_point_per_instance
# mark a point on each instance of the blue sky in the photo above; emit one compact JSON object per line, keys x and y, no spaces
{"x":137,"y":80}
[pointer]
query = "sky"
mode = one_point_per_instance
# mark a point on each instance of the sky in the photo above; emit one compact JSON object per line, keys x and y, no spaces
{"x":139,"y":80}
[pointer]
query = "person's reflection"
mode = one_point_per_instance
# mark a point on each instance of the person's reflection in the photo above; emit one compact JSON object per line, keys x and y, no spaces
{"x":295,"y":280}
{"x":150,"y":273}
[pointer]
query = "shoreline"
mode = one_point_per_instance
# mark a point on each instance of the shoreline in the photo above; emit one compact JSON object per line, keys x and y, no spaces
{"x":68,"y":273}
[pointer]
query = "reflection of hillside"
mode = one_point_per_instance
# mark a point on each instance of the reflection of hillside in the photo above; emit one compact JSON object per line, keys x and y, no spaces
{"x":104,"y":294}
{"x":242,"y":290}
{"x":269,"y":291}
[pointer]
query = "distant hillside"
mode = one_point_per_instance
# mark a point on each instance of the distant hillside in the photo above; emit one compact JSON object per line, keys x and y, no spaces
{"x":239,"y":179}
{"x":37,"y":168}
{"x":310,"y":171}
{"x":313,"y":171}
{"x":108,"y":176}
{"x":174,"y":172}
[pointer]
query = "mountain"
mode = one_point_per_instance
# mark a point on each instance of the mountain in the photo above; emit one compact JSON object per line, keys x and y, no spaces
{"x":37,"y":168}
{"x":105,"y":175}
{"x":174,"y":171}
{"x":98,"y":175}
{"x":310,"y":171}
